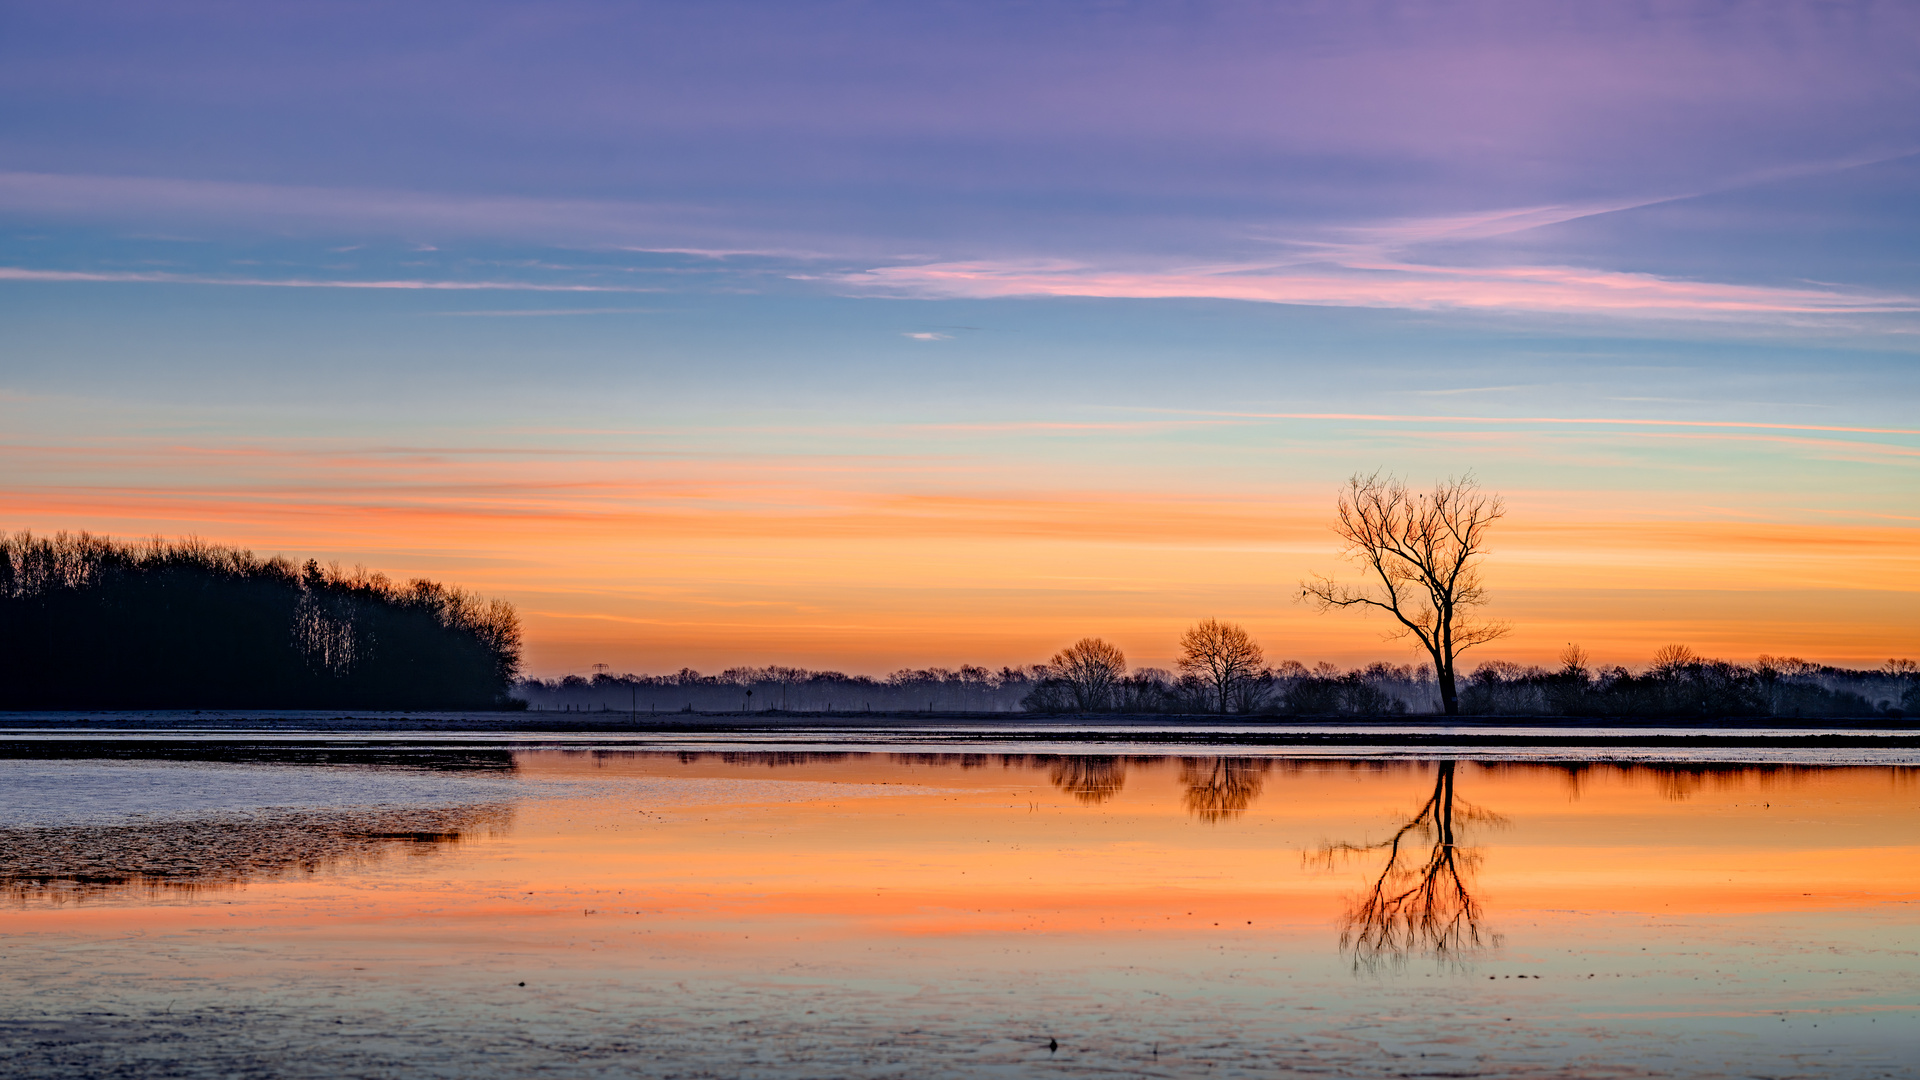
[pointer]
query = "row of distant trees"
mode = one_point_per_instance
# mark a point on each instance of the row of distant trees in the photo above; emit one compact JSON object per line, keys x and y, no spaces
{"x":1092,"y":677}
{"x":1681,"y":684}
{"x":788,"y":689}
{"x":1290,"y":687}
{"x":1221,"y":671}
{"x":87,"y":622}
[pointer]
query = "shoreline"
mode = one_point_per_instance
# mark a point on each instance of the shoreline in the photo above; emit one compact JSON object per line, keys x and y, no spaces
{"x":398,"y":736}
{"x":999,"y":724}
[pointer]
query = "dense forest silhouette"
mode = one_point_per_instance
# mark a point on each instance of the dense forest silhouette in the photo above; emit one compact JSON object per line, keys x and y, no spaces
{"x":87,"y":622}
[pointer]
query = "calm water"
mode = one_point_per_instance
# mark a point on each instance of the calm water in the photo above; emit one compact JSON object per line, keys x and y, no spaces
{"x":808,"y":914}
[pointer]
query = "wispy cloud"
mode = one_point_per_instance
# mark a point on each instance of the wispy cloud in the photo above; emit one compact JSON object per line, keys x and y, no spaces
{"x":1359,"y":264}
{"x":507,"y":313}
{"x":1603,"y":421}
{"x":1471,"y":390}
{"x":1381,"y":285}
{"x":406,"y":213}
{"x":1385,"y":285}
{"x":927,"y":335}
{"x":19,"y":273}
{"x":728,"y":253}
{"x":1399,"y":233}
{"x":1371,"y":264}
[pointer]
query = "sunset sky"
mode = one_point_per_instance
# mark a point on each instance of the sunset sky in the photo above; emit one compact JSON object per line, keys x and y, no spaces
{"x":861,"y":335}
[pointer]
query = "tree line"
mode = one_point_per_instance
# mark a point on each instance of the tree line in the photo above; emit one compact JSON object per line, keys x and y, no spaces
{"x":1092,"y":677}
{"x":788,"y":689}
{"x":1682,"y":685}
{"x":87,"y":622}
{"x":1221,"y":671}
{"x":1288,"y":688}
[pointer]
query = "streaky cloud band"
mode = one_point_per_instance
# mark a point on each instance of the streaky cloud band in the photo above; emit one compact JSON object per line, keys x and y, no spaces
{"x":1382,"y":284}
{"x":18,"y":273}
{"x":1403,"y":418}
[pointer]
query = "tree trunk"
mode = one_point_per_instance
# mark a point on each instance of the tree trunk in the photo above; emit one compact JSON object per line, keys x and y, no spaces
{"x":1449,"y":698}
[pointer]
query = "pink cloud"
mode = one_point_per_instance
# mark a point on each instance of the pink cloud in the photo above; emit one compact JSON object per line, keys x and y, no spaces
{"x":1375,"y":282}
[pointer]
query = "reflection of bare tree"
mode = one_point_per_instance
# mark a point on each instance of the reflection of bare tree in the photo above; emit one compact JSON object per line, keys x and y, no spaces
{"x":1422,"y":902}
{"x":1222,"y":787}
{"x":1089,"y":779}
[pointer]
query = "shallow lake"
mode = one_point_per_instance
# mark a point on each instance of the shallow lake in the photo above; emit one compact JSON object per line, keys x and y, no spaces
{"x":794,"y":913}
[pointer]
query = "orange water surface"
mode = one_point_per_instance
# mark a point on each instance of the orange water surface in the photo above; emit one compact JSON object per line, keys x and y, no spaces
{"x":808,"y":914}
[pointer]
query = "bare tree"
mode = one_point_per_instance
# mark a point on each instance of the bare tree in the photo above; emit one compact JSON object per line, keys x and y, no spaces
{"x":1421,"y":556}
{"x":1670,"y":660}
{"x":1221,"y":654}
{"x":1092,"y":671}
{"x":1573,"y":660}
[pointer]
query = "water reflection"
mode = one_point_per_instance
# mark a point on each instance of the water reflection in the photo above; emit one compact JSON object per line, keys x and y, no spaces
{"x":774,"y":759}
{"x":1421,"y":902}
{"x":1417,"y":897}
{"x":948,"y":914}
{"x":385,"y":756}
{"x":76,"y":862}
{"x":1222,"y":787}
{"x":1091,"y":780}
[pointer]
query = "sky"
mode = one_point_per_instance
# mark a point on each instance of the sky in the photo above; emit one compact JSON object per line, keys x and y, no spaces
{"x":867,"y":335}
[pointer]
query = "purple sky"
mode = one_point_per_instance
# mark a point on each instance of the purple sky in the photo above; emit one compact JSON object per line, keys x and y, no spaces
{"x":750,"y":235}
{"x":1133,"y":133}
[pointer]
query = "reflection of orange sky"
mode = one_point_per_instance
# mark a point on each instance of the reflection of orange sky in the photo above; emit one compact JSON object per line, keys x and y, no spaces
{"x":997,"y":849}
{"x":864,"y":562}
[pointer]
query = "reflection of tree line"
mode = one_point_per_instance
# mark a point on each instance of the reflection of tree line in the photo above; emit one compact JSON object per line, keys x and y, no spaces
{"x":1216,"y":788}
{"x":1221,"y":788}
{"x":76,"y":861}
{"x":1420,"y":902}
{"x":1420,"y":898}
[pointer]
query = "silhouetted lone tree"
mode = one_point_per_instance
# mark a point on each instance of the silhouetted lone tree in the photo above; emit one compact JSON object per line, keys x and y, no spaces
{"x":1223,"y":787}
{"x":1422,"y":901}
{"x":1421,"y":554}
{"x":1223,"y":656}
{"x":1091,"y":670}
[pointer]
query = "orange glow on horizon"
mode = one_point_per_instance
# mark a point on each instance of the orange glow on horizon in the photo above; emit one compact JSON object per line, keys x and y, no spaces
{"x":866,"y":563}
